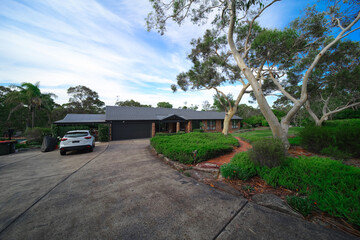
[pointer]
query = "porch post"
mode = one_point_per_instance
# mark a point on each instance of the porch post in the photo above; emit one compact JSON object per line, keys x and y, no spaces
{"x":153,"y":130}
{"x":177,"y":127}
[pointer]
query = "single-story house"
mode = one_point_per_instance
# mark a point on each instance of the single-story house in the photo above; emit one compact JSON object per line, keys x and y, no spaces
{"x":144,"y":122}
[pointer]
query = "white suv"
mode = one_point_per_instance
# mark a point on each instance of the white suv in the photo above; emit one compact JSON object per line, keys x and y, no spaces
{"x":77,"y":140}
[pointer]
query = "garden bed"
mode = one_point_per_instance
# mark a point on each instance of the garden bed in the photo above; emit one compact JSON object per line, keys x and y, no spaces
{"x":322,"y":184}
{"x":182,"y":147}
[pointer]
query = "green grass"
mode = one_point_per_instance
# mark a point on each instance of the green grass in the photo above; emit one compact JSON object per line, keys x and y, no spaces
{"x":180,"y":147}
{"x":258,"y":134}
{"x":333,"y":186}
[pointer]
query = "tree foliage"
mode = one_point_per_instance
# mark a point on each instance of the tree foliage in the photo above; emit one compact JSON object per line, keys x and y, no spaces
{"x":265,"y":58}
{"x":164,"y":105}
{"x":130,"y":103}
{"x":84,"y":100}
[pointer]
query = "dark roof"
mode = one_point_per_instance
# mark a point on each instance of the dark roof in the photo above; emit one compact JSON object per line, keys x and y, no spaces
{"x":114,"y":113}
{"x":82,"y":118}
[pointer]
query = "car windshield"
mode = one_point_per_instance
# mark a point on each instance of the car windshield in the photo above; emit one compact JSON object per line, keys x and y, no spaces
{"x":76,"y":134}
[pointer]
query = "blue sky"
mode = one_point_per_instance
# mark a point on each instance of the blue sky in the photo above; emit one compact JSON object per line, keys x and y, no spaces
{"x":104,"y":45}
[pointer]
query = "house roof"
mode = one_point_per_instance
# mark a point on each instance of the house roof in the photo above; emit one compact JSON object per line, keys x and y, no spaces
{"x":115,"y":113}
{"x":82,"y":118}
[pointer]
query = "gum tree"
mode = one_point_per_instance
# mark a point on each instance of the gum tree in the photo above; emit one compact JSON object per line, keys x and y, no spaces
{"x":211,"y":68}
{"x":259,"y":62}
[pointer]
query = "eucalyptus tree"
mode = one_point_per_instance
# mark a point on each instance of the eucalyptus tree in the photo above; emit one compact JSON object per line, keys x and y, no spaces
{"x":335,"y":83}
{"x":84,"y":100}
{"x":211,"y":69}
{"x":164,"y":105}
{"x":130,"y":103}
{"x":266,"y":58}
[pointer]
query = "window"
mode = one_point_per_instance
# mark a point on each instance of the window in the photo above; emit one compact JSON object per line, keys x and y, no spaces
{"x":234,"y":124}
{"x":211,"y":125}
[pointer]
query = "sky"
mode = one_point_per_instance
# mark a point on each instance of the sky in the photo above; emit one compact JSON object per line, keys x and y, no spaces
{"x":104,"y":45}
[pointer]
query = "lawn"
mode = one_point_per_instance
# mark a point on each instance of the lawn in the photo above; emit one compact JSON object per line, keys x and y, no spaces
{"x":258,"y":134}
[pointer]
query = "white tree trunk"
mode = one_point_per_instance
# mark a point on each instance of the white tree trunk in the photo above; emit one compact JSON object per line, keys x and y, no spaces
{"x":227,"y":119}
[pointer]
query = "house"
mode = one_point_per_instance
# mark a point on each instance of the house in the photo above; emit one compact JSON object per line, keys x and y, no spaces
{"x":144,"y":122}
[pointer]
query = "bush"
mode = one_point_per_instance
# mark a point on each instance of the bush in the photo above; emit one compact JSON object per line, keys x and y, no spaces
{"x":332,"y":185}
{"x":344,"y":137}
{"x":103,"y":133}
{"x":345,"y":122}
{"x":36,"y":134}
{"x":61,"y":130}
{"x":198,"y":130}
{"x":268,"y":152}
{"x":240,"y":167}
{"x":303,"y":205}
{"x":315,"y":138}
{"x":20,"y":145}
{"x":335,"y":152}
{"x":180,"y":147}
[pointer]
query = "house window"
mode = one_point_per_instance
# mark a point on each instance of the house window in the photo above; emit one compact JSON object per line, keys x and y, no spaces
{"x":234,"y":123}
{"x":211,"y":125}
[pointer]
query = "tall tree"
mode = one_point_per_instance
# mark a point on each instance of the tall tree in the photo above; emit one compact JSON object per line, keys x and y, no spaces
{"x":84,"y":100}
{"x":210,"y":70}
{"x":164,"y":105}
{"x":206,"y":106}
{"x":274,"y":52}
{"x":335,"y":83}
{"x":29,"y":96}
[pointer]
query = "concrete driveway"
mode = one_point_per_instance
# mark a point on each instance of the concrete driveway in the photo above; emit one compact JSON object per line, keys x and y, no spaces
{"x":122,"y":191}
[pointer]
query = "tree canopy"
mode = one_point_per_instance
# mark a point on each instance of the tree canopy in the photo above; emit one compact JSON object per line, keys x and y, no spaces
{"x":164,"y":105}
{"x":84,"y":100}
{"x":131,"y":103}
{"x":264,"y":56}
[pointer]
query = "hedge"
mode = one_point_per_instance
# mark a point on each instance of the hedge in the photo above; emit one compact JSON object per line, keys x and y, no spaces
{"x":180,"y":147}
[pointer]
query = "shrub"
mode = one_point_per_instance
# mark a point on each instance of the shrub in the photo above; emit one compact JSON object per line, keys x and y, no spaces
{"x":36,"y":134}
{"x":20,"y":145}
{"x":329,"y":183}
{"x":301,"y":204}
{"x":103,"y":133}
{"x":268,"y":152}
{"x":54,"y":130}
{"x":240,"y":167}
{"x":64,"y":129}
{"x":335,"y":152}
{"x":315,"y":138}
{"x":180,"y":147}
{"x":344,"y":137}
{"x":345,"y":122}
{"x":198,"y":130}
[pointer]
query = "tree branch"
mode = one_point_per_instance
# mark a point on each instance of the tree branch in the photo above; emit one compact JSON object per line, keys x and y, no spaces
{"x":286,"y":94}
{"x":322,"y":52}
{"x":246,"y":49}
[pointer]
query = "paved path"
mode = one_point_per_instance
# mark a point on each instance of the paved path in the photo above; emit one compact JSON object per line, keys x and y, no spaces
{"x":121,"y":191}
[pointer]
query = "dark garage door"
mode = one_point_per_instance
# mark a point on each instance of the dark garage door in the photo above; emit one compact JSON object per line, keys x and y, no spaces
{"x":130,"y":130}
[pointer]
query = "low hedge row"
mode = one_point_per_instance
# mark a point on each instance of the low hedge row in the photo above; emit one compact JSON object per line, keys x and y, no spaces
{"x":333,"y":187}
{"x":180,"y":147}
{"x":342,"y":140}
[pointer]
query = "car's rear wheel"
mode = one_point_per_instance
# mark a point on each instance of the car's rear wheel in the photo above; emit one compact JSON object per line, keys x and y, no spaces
{"x":91,"y":149}
{"x":62,"y":152}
